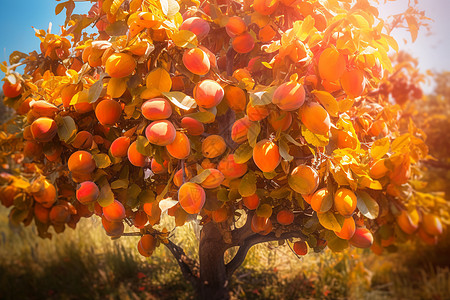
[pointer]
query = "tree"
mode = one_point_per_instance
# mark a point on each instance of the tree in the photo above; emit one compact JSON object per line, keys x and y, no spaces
{"x":261,"y":121}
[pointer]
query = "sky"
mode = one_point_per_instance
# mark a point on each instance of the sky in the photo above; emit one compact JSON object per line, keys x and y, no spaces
{"x":18,"y":17}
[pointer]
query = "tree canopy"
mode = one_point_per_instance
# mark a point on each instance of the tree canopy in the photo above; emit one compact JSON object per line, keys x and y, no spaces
{"x":258,"y":120}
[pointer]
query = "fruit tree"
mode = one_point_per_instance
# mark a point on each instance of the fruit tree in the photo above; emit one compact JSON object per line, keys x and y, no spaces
{"x":258,"y":120}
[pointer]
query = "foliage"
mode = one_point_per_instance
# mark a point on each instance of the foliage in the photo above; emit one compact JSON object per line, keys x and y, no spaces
{"x":193,"y":109}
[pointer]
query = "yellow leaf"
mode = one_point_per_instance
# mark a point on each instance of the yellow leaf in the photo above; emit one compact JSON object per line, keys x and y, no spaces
{"x":159,"y":79}
{"x":117,"y":86}
{"x":328,"y":101}
{"x":185,"y":39}
{"x":379,"y":148}
{"x":330,"y":221}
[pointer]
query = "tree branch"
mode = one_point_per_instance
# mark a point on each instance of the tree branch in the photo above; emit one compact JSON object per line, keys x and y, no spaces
{"x":252,"y":240}
{"x":188,"y":267}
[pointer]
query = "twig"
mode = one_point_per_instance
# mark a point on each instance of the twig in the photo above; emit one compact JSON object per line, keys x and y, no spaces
{"x":186,"y":264}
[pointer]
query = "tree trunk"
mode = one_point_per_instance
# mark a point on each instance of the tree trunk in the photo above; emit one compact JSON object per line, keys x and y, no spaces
{"x":213,"y":277}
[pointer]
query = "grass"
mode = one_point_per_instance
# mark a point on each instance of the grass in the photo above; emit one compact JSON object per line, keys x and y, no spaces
{"x":86,"y":264}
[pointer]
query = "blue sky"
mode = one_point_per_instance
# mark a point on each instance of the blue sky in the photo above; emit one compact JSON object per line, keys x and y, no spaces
{"x":19,"y":16}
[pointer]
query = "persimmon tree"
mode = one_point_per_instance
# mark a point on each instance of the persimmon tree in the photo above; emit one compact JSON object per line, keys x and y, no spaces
{"x":259,"y":120}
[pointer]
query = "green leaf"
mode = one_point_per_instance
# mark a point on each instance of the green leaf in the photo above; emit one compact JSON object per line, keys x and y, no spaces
{"x":284,"y":150}
{"x":270,"y":175}
{"x":133,"y":192}
{"x":263,"y":97}
{"x":102,"y":160}
{"x":253,"y":132}
{"x":106,"y":196}
{"x":328,"y":101}
{"x":243,"y":153}
{"x":143,"y":146}
{"x":203,"y":116}
{"x":247,"y":186}
{"x":185,"y":39}
{"x":96,"y":89}
{"x":337,"y":244}
{"x":291,"y":139}
{"x":146,"y":196}
{"x":181,"y":100}
{"x":201,"y":177}
{"x":281,"y":193}
{"x":119,"y":184}
{"x":314,"y":139}
{"x":222,"y":194}
{"x":330,"y":221}
{"x":367,"y":205}
{"x":379,"y":148}
{"x":67,"y":130}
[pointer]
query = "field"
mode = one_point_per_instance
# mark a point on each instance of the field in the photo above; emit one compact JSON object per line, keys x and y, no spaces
{"x":86,"y":264}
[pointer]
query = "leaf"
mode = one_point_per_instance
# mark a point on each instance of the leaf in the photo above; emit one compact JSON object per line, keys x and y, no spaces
{"x":119,"y":184}
{"x":337,"y":244}
{"x":200,"y":177}
{"x":284,"y":150}
{"x":116,"y":87}
{"x":146,"y":196}
{"x":159,"y":79}
{"x":253,"y":132}
{"x":262,"y":98}
{"x":16,"y":216}
{"x":67,"y":129}
{"x":166,"y":204}
{"x":391,"y":41}
{"x":60,"y":7}
{"x":185,"y":39}
{"x":16,"y":57}
{"x":327,"y":203}
{"x":314,"y":139}
{"x":20,"y":183}
{"x":102,"y":160}
{"x":379,"y":148}
{"x":247,"y":186}
{"x":281,"y":193}
{"x":106,"y":196}
{"x":164,"y":6}
{"x":143,"y":146}
{"x":172,"y":8}
{"x":166,"y":189}
{"x":413,"y":27}
{"x":203,"y":116}
{"x":291,"y":139}
{"x":181,"y":100}
{"x":243,"y":153}
{"x":133,"y":193}
{"x":307,"y":25}
{"x":367,"y":182}
{"x":367,"y":205}
{"x":117,"y":28}
{"x":96,"y":89}
{"x":329,"y":221}
{"x":401,"y":143}
{"x":328,"y":101}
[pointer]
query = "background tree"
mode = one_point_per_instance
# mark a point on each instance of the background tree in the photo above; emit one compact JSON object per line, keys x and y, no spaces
{"x":258,"y":121}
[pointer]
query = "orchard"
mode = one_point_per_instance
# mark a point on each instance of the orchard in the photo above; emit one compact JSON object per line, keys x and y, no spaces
{"x":257,"y":120}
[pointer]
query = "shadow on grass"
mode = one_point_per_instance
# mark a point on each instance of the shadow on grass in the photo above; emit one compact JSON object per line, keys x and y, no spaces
{"x":116,"y":274}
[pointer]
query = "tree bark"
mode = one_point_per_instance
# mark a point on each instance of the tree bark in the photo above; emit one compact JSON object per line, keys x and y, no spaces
{"x":213,"y":276}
